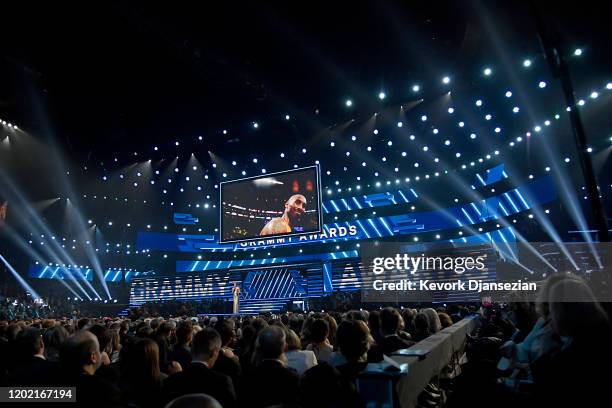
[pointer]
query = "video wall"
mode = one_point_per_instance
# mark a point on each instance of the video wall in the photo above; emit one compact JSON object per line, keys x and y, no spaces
{"x":273,"y":205}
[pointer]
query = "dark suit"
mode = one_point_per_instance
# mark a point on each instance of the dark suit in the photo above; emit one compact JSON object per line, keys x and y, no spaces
{"x":36,"y":372}
{"x":390,"y":344}
{"x":92,"y":391}
{"x":228,"y":366}
{"x":181,"y":354}
{"x":270,"y":383}
{"x":198,"y":378}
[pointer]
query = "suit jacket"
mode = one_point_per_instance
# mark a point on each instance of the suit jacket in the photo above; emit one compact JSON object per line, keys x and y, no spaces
{"x":93,"y":391}
{"x":228,"y":366}
{"x":270,"y":383}
{"x":390,"y":344}
{"x":198,"y":378}
{"x":36,"y":372}
{"x":180,"y":354}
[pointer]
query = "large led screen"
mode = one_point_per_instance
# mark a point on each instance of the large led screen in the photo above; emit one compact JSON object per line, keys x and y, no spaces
{"x":272,"y":205}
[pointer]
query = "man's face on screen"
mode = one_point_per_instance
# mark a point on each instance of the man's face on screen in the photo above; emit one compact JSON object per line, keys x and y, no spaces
{"x":296,"y":206}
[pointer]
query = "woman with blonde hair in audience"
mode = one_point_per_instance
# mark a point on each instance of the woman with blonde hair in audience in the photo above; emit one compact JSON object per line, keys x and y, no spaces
{"x":298,"y":359}
{"x":578,"y":374}
{"x":433,"y":320}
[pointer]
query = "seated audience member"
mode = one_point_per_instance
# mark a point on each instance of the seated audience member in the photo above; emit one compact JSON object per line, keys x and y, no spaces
{"x":354,"y":341}
{"x":320,"y":344}
{"x":298,"y":359}
{"x":181,"y":351}
{"x":541,"y":340}
{"x":83,"y":323}
{"x":578,"y":373}
{"x":408,"y":316}
{"x":433,"y":319}
{"x":421,"y":327}
{"x":33,"y":370}
{"x":374,"y":325}
{"x":80,"y":359}
{"x":390,"y":325}
{"x":305,"y":335}
{"x":53,"y":339}
{"x":227,"y":363}
{"x":162,"y":338}
{"x":323,"y":387}
{"x":115,"y":343}
{"x":270,"y":382}
{"x":141,"y":380}
{"x":198,"y":376}
{"x":332,"y":324}
{"x":246,"y":356}
{"x":445,"y":320}
{"x":194,"y":401}
{"x":103,"y":336}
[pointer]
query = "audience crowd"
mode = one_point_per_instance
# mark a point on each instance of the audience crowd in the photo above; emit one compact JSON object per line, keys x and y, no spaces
{"x":539,"y":352}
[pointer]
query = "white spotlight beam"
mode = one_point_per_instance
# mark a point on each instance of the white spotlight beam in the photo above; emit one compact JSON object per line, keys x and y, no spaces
{"x":19,"y":279}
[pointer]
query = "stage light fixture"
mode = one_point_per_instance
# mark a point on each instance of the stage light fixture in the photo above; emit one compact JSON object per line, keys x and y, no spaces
{"x":287,"y":117}
{"x":348,"y":103}
{"x":451,"y":110}
{"x":516,"y":109}
{"x":381,"y":95}
{"x":581,"y":102}
{"x":446,"y":80}
{"x":255,"y":125}
{"x":416,"y":88}
{"x":594,"y":95}
{"x":400,"y":124}
{"x":487,"y":71}
{"x":508,"y":94}
{"x":578,"y":52}
{"x":542,"y":84}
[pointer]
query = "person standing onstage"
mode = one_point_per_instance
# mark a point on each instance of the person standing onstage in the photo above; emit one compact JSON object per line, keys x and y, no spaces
{"x":236,"y":293}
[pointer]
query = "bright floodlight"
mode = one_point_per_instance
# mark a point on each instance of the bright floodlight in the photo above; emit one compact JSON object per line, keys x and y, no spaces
{"x":349,"y":102}
{"x":594,"y":94}
{"x":287,"y":117}
{"x":542,"y":84}
{"x":446,"y":80}
{"x":255,"y":125}
{"x":609,"y":85}
{"x":424,"y":118}
{"x":479,"y":103}
{"x":508,"y":94}
{"x":578,"y":52}
{"x":416,"y":88}
{"x":381,"y":95}
{"x":527,"y":63}
{"x":487,"y":71}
